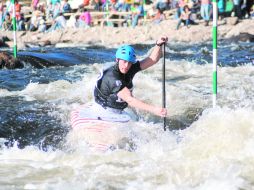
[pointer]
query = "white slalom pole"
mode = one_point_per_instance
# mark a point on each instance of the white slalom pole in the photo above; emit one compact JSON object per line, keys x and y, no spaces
{"x":215,"y":52}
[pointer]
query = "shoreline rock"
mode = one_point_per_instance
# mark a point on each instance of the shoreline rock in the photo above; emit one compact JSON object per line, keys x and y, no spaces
{"x":9,"y":62}
{"x":114,"y":36}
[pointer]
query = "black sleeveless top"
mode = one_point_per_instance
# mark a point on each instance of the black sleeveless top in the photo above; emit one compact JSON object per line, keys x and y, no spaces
{"x":110,"y":82}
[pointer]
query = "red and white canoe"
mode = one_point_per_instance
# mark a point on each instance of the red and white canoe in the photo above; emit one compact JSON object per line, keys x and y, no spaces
{"x":100,"y":133}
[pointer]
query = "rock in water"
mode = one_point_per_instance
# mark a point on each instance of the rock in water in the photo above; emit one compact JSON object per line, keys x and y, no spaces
{"x":244,"y":37}
{"x":9,"y":62}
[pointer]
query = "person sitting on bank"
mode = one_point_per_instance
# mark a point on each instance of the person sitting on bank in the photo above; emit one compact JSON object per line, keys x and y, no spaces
{"x":7,"y":24}
{"x":85,"y":19}
{"x":58,"y":24}
{"x":114,"y":86}
{"x":137,"y":12}
{"x":184,"y":17}
{"x":66,"y":7}
{"x":159,"y":16}
{"x":35,"y":20}
{"x":34,"y":4}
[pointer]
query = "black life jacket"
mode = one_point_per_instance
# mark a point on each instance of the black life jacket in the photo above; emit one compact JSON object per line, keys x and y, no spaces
{"x":110,"y":82}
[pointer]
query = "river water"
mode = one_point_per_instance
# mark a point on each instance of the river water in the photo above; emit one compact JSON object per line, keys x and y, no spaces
{"x":205,"y":149}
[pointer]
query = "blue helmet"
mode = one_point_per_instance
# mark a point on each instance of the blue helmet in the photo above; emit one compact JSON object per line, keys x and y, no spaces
{"x":126,"y":53}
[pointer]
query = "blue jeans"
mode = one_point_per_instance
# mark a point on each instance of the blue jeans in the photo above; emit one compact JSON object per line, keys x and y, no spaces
{"x":21,"y":25}
{"x":82,"y":24}
{"x":135,"y":20}
{"x":205,"y":12}
{"x":55,"y":26}
{"x":186,"y":22}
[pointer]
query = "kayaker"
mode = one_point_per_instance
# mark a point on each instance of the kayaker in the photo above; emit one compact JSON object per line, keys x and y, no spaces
{"x":114,"y":86}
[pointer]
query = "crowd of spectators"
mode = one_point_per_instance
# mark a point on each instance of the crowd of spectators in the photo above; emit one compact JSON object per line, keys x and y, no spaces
{"x":53,"y":14}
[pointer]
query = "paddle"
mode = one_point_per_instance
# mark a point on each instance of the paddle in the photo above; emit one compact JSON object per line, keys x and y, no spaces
{"x":163,"y":85}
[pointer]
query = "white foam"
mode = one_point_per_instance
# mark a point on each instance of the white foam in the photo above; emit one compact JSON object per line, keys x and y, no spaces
{"x":215,"y":152}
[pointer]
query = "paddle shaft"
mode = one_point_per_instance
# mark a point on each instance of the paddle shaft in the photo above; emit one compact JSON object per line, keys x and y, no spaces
{"x":164,"y":86}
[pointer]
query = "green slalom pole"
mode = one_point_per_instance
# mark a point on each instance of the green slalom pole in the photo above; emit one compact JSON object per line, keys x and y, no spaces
{"x":144,"y":7}
{"x":14,"y":29}
{"x":215,"y":52}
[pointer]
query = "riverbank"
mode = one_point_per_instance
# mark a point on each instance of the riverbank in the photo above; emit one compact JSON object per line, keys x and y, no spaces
{"x":228,"y":29}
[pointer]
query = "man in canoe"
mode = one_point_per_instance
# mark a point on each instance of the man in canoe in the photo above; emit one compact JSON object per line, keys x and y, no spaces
{"x":113,"y":90}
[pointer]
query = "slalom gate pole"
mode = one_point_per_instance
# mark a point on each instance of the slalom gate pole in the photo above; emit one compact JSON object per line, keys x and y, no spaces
{"x":145,"y":12}
{"x":215,"y":55}
{"x":163,"y":85}
{"x":14,"y":29}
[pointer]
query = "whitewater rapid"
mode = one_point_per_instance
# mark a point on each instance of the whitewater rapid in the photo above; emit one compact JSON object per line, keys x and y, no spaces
{"x":205,"y":149}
